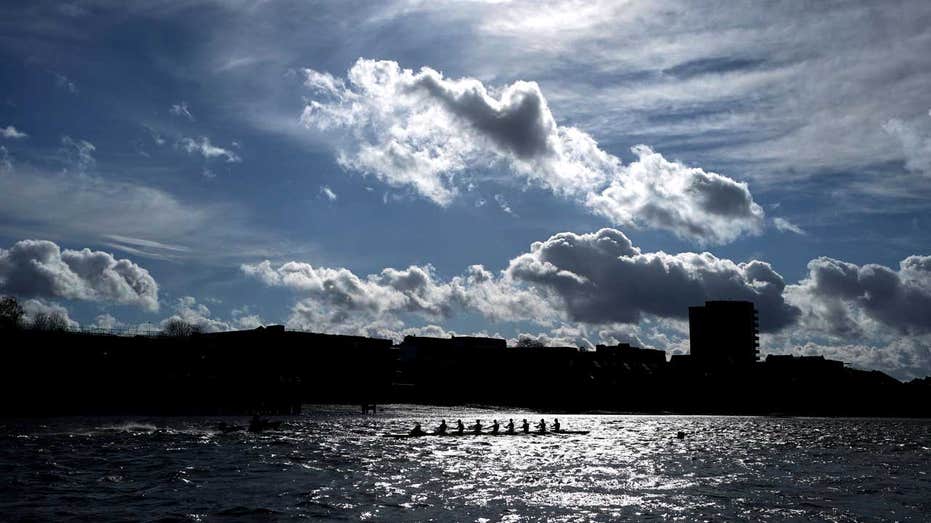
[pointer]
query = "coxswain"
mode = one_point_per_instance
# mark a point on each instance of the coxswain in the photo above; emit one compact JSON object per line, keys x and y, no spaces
{"x":459,"y":426}
{"x":510,"y":426}
{"x":525,"y":426}
{"x":494,"y":427}
{"x":441,"y":430}
{"x":555,"y":424}
{"x":477,"y":428}
{"x":541,"y":427}
{"x":417,"y":431}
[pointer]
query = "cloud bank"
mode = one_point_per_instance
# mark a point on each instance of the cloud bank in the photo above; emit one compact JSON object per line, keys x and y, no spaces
{"x":420,"y":129}
{"x":38,"y":268}
{"x":598,"y":278}
{"x":843,"y":299}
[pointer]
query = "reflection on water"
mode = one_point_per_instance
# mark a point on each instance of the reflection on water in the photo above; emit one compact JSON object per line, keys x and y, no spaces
{"x":331,"y":463}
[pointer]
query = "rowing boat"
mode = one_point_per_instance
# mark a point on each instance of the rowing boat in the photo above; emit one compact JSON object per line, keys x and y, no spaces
{"x":464,"y":434}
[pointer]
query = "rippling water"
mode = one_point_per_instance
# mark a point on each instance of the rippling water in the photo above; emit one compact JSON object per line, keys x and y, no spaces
{"x":331,"y":463}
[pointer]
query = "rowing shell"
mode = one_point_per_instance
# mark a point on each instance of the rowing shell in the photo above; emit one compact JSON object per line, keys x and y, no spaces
{"x":458,"y":435}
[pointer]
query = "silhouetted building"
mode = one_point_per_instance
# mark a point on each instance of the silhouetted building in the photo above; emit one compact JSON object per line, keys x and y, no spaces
{"x":804,"y":364}
{"x":724,"y":333}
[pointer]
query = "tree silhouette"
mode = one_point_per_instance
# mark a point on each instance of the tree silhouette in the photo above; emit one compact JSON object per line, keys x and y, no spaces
{"x":529,"y":343}
{"x":49,"y":322}
{"x":11,"y":313}
{"x":178,"y":328}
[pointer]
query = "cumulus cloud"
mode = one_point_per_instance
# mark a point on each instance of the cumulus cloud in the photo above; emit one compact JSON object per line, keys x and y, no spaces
{"x":598,"y":278}
{"x":785,"y":225}
{"x":107,"y":322}
{"x":12,"y":133}
{"x":421,"y":129}
{"x":340,"y":300}
{"x":35,"y":307}
{"x":203,"y":147}
{"x":38,"y":268}
{"x":703,"y":206}
{"x":198,"y":315}
{"x":602,"y":277}
{"x":181,"y":109}
{"x":841,"y":298}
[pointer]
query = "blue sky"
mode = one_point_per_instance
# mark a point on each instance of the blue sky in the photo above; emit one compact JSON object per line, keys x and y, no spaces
{"x":346,"y":166}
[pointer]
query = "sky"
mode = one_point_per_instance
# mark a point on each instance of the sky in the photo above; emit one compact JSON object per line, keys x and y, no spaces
{"x":572,"y":172}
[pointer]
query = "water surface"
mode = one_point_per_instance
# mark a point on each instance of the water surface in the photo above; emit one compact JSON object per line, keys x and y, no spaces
{"x":330,"y":463}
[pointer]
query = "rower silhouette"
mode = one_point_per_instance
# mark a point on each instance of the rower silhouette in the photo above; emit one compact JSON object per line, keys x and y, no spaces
{"x":510,"y":426}
{"x":541,"y":427}
{"x":477,"y":428}
{"x":441,"y":430}
{"x":555,"y":424}
{"x":417,"y":431}
{"x":460,"y":427}
{"x":494,"y":427}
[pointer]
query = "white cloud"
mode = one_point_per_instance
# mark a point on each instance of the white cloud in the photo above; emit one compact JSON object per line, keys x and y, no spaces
{"x":915,"y":141}
{"x":78,"y":153}
{"x":198,"y":315}
{"x":65,"y":83}
{"x":328,"y":193}
{"x":602,"y":278}
{"x":421,"y":129}
{"x":6,"y":163}
{"x":107,"y":322}
{"x":785,"y":225}
{"x":12,"y":133}
{"x":203,"y":147}
{"x":181,"y":109}
{"x":340,"y":301}
{"x":41,"y":269}
{"x":598,"y":279}
{"x":34,"y":307}
{"x":503,"y":204}
{"x":847,"y":300}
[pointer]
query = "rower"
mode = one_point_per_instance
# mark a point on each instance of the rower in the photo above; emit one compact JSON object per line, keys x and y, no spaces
{"x":441,"y":430}
{"x":477,"y":428}
{"x":525,"y":426}
{"x":555,"y":424}
{"x":541,"y":427}
{"x":510,"y":426}
{"x":417,"y":431}
{"x":459,"y":426}
{"x":494,"y":427}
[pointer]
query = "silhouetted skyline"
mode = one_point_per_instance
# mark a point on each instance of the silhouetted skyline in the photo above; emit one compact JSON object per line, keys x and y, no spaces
{"x":269,"y":370}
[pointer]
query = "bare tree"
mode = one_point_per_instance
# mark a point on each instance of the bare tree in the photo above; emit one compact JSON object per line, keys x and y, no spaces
{"x":178,"y":328}
{"x":11,"y":313}
{"x":49,"y":322}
